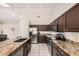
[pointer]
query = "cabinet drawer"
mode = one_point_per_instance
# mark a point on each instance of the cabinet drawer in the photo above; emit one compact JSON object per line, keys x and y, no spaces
{"x":62,"y":52}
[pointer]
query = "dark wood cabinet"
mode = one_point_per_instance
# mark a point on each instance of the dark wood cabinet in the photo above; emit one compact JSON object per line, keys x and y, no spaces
{"x":61,"y":23}
{"x":57,"y":51}
{"x":72,"y":19}
{"x":69,"y":21}
{"x":41,"y":39}
{"x":53,"y":26}
{"x":54,"y":52}
{"x":29,"y":46}
{"x":62,"y":52}
{"x":41,"y":27}
{"x":23,"y":50}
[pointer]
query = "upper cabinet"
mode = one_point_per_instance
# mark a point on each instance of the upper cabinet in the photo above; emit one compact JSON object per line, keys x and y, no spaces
{"x":72,"y":19}
{"x":53,"y":26}
{"x":61,"y":23}
{"x":69,"y":21}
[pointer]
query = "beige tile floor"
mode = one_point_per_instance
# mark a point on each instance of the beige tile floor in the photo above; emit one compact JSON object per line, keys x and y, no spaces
{"x":39,"y":50}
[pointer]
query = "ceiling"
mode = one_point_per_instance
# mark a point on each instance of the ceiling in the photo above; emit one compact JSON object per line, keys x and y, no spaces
{"x":30,"y":11}
{"x":31,"y":5}
{"x":18,"y":10}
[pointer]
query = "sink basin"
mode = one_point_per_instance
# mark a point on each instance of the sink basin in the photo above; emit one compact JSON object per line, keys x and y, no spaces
{"x":21,"y":40}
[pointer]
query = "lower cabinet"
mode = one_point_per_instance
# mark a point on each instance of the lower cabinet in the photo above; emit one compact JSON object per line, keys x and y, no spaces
{"x":57,"y":51}
{"x":62,"y":52}
{"x":54,"y":52}
{"x":27,"y":48}
{"x":18,"y":52}
{"x":41,"y":39}
{"x":59,"y":54}
{"x":22,"y":50}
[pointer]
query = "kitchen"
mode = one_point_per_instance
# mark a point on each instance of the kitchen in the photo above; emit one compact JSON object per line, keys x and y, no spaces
{"x":39,"y":29}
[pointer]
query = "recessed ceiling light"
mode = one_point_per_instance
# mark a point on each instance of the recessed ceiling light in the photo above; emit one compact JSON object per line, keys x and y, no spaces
{"x":5,"y":5}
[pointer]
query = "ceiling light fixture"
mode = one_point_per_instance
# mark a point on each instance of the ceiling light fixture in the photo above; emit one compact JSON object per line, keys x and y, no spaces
{"x":5,"y":5}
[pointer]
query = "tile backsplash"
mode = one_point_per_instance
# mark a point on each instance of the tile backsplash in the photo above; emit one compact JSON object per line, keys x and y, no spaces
{"x":74,"y":36}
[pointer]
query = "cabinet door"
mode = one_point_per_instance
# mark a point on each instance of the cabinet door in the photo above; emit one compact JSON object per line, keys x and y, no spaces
{"x":72,"y":19}
{"x":42,"y":39}
{"x":59,"y":54}
{"x":54,"y":26}
{"x":63,"y":53}
{"x":61,"y":23}
{"x":54,"y":51}
{"x":19,"y":52}
{"x":25,"y":49}
{"x":29,"y":45}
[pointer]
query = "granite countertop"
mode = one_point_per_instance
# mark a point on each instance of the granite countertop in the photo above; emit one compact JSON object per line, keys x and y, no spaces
{"x":8,"y":46}
{"x":69,"y":47}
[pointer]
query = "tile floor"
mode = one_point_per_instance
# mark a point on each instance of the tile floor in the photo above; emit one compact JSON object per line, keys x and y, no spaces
{"x":39,"y":50}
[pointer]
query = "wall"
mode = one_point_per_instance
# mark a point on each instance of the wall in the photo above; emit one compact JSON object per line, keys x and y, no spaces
{"x":23,"y":27}
{"x":72,"y":36}
{"x":16,"y":29}
{"x":10,"y":29}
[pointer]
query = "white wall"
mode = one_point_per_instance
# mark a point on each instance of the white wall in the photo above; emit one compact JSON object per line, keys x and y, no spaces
{"x":23,"y":28}
{"x":7,"y":29}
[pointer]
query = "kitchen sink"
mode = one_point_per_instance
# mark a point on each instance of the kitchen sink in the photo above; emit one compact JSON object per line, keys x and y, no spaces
{"x":20,"y":40}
